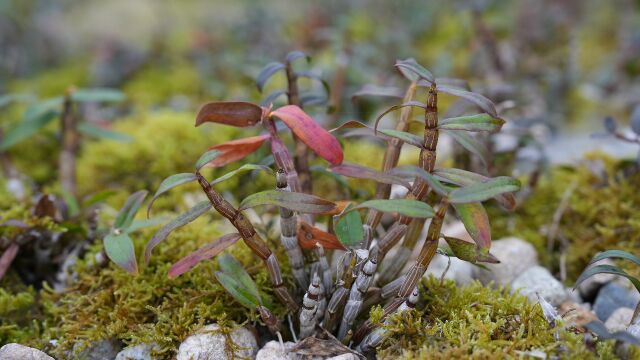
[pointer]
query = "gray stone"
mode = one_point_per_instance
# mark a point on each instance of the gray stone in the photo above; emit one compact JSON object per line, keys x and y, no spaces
{"x":592,"y":284}
{"x":613,"y":296}
{"x":619,"y":319}
{"x":515,"y":255}
{"x":459,"y":271}
{"x":273,"y":351}
{"x":538,"y":279}
{"x":20,"y":352}
{"x":99,"y":350}
{"x":210,"y":344}
{"x":347,"y":356}
{"x":138,"y":352}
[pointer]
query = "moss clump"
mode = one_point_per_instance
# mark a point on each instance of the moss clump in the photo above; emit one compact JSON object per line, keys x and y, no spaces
{"x":16,"y":300}
{"x":477,"y":322}
{"x":601,"y":214}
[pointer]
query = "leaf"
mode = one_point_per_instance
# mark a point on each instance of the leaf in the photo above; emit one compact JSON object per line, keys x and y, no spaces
{"x":141,"y":224}
{"x":482,"y":102}
{"x":616,"y":254}
{"x":119,"y":248}
{"x":26,"y":128}
{"x":236,"y":149}
{"x":470,"y":143}
{"x":598,"y":328}
{"x":15,"y":97}
{"x":73,"y":208}
{"x":606,"y":269}
{"x":470,"y":252}
{"x":478,"y":122}
{"x":351,"y":124}
{"x":406,"y":207}
{"x":310,"y":236}
{"x":267,"y":72}
{"x":482,"y":191}
{"x":463,"y":178}
{"x":206,"y":158}
{"x":97,"y":95}
{"x":271,"y":98}
{"x":204,"y":253}
{"x":236,"y":290}
{"x":413,"y":71}
{"x":7,"y":257}
{"x":97,"y":198}
{"x":418,"y":172}
{"x":181,"y":220}
{"x":169,"y":183}
{"x":296,"y":54}
{"x":243,"y":168}
{"x":313,"y":99}
{"x":313,"y":76}
{"x":361,"y":172}
{"x":300,"y":202}
{"x":45,"y":207}
{"x":129,"y":210}
{"x":396,"y":107}
{"x":313,"y":135}
{"x":376,"y":90}
{"x":476,"y":221}
{"x":90,"y":129}
{"x":229,"y":265}
{"x":406,"y":137}
{"x":348,"y":228}
{"x":38,"y":109}
{"x":234,"y":113}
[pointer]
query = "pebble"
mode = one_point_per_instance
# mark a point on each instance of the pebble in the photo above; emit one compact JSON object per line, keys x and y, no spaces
{"x":538,"y":279}
{"x":459,"y":271}
{"x":208,"y":344}
{"x":137,"y":352}
{"x":613,"y":296}
{"x":274,"y":351}
{"x":619,"y":319}
{"x":99,"y":350}
{"x":515,"y":255}
{"x":20,"y":352}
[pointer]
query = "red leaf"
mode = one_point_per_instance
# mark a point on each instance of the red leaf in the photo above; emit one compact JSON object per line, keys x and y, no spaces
{"x":204,"y":253}
{"x":309,"y":236}
{"x":7,"y":258}
{"x":306,"y":129}
{"x":476,"y":221}
{"x":236,"y":149}
{"x":234,"y":113}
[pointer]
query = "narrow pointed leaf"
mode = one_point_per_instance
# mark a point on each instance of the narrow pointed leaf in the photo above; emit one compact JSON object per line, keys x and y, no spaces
{"x":119,"y":248}
{"x":598,"y":328}
{"x":396,"y":107}
{"x":361,"y":172}
{"x":300,"y":202}
{"x":7,"y":257}
{"x":313,"y":135}
{"x":26,"y":128}
{"x":406,"y":137}
{"x":476,"y":221}
{"x":478,"y":122}
{"x":180,"y":221}
{"x":230,"y":266}
{"x":351,"y":124}
{"x":236,"y":290}
{"x":243,"y":168}
{"x":349,"y":230}
{"x":310,"y":236}
{"x":141,"y":224}
{"x":129,"y":210}
{"x":15,"y":97}
{"x":410,"y":208}
{"x":482,"y":191}
{"x":271,"y":98}
{"x":297,"y":54}
{"x":606,"y":269}
{"x":411,"y":70}
{"x":169,"y":183}
{"x":470,"y":252}
{"x":204,"y":253}
{"x":376,"y":90}
{"x":206,"y":158}
{"x":415,"y":171}
{"x":236,"y":150}
{"x":98,"y":95}
{"x":313,"y":99}
{"x":470,"y":143}
{"x":463,"y":178}
{"x":101,"y":133}
{"x":267,"y":72}
{"x":620,"y":254}
{"x":482,"y":102}
{"x":98,"y":197}
{"x":234,"y":113}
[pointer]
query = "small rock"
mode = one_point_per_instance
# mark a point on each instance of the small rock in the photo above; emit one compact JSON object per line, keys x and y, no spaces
{"x":459,"y":271}
{"x":515,"y":255}
{"x":138,"y":352}
{"x":613,"y":296}
{"x":99,"y":350}
{"x":274,"y":351}
{"x":619,"y":319}
{"x":539,"y":280}
{"x":20,"y":352}
{"x":347,"y":356}
{"x":576,"y":315}
{"x":589,"y":288}
{"x":210,"y":344}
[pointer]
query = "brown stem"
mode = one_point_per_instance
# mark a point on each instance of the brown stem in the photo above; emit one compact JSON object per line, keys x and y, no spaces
{"x":251,"y":238}
{"x":70,"y":147}
{"x":301,"y":152}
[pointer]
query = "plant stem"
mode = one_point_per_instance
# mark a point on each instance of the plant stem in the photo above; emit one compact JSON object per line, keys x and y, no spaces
{"x":70,"y":147}
{"x":301,"y":152}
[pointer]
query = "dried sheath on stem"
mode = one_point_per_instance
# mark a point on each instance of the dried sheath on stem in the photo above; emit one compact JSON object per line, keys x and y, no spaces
{"x":308,"y":318}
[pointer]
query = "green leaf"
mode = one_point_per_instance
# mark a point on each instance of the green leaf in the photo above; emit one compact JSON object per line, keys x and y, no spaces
{"x":470,"y":252}
{"x":598,"y":328}
{"x":97,"y":198}
{"x":616,"y":254}
{"x":406,"y":137}
{"x":482,"y":102}
{"x":476,"y":221}
{"x":181,"y":220}
{"x":348,"y":229}
{"x":204,"y":253}
{"x":300,"y":202}
{"x":129,"y":210}
{"x":96,"y":131}
{"x":271,"y":98}
{"x":406,"y":207}
{"x":413,"y":71}
{"x":235,"y":289}
{"x":26,"y":128}
{"x":412,"y":103}
{"x":463,"y":178}
{"x":313,"y":99}
{"x":266,"y":73}
{"x":482,"y":191}
{"x":206,"y":157}
{"x":297,"y":54}
{"x":73,"y":208}
{"x":606,"y":269}
{"x":470,"y":143}
{"x":169,"y":183}
{"x":243,"y":168}
{"x":478,"y":122}
{"x":362,"y":172}
{"x":230,"y":266}
{"x":98,"y":95}
{"x":40,"y":108}
{"x":119,"y":248}
{"x":15,"y":97}
{"x":141,"y":224}
{"x":415,"y":171}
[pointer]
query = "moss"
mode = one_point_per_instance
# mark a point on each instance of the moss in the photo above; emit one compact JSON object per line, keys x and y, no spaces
{"x":54,"y":81}
{"x":15,"y":301}
{"x":601,"y":214}
{"x":477,"y":322}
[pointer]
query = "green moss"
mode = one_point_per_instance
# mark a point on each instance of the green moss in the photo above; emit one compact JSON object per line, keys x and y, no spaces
{"x":16,"y":300}
{"x":54,"y":81}
{"x":158,"y":82}
{"x":477,"y":322}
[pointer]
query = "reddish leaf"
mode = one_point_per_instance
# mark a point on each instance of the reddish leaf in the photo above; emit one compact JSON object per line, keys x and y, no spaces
{"x":476,"y":221}
{"x":236,"y":149}
{"x":234,"y":113}
{"x":7,"y":258}
{"x":45,"y":207}
{"x":306,"y":129}
{"x":204,"y":253}
{"x":309,"y":236}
